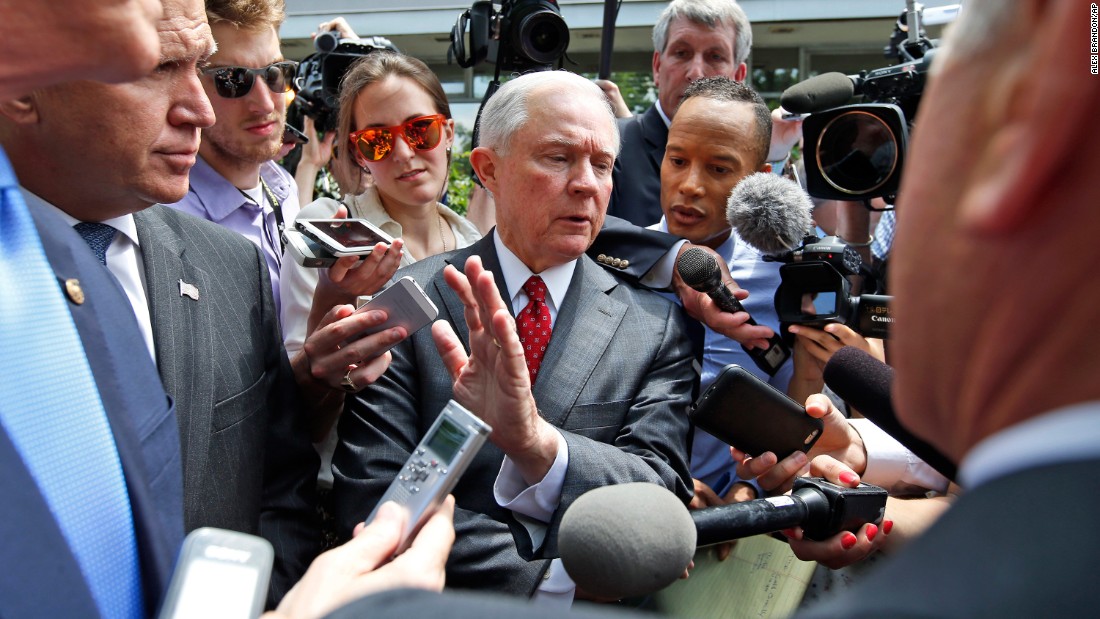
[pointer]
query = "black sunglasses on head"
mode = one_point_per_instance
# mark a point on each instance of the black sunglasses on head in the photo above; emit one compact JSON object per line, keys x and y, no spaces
{"x":233,"y":82}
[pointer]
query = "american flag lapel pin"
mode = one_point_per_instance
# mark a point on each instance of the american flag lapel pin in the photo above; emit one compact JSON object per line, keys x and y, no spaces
{"x":189,"y":290}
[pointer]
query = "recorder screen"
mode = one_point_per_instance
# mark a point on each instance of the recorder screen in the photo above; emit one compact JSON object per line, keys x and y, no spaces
{"x":447,"y":440}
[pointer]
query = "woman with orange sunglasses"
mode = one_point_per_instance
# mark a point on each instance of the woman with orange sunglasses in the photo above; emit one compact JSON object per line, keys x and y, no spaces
{"x":394,"y":137}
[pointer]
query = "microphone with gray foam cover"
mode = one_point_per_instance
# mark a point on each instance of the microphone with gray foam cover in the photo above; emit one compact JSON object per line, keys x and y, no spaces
{"x":770,"y":213}
{"x":634,"y":539}
{"x":626,"y":540}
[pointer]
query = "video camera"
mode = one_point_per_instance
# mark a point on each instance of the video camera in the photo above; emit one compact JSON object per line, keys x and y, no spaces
{"x":523,"y":35}
{"x":814,"y":289}
{"x":320,"y":74}
{"x":857,"y":152}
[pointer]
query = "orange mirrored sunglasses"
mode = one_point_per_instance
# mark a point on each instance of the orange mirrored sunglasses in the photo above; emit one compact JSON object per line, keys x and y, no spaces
{"x":375,"y":143}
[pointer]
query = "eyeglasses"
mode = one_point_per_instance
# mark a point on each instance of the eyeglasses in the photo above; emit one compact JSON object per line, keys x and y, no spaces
{"x":234,"y":82}
{"x":375,"y":143}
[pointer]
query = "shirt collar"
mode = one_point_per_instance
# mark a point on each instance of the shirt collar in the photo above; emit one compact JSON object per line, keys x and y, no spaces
{"x":661,"y":111}
{"x":124,"y":224}
{"x":218,"y":197}
{"x":516,"y":274}
{"x":1065,"y":435}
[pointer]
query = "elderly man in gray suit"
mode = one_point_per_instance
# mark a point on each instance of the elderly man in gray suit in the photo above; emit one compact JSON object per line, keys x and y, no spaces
{"x":587,"y":386}
{"x":97,"y":156}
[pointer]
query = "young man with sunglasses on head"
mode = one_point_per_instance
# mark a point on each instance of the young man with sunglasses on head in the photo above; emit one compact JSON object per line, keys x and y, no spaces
{"x":236,"y":182}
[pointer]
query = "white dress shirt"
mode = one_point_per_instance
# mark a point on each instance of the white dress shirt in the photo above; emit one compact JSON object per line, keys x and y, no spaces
{"x":124,"y":260}
{"x":534,"y":505}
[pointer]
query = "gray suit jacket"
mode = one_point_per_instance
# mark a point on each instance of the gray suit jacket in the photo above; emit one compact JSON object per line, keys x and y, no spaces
{"x":247,"y":461}
{"x":616,"y":380}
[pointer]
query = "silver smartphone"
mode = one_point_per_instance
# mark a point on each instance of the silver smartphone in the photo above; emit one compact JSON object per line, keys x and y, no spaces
{"x":434,"y":467}
{"x":306,"y":251}
{"x":406,"y":305}
{"x":344,"y":237}
{"x":220,"y":574}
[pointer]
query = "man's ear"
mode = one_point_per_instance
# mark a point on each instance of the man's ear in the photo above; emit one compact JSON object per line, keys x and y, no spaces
{"x":483,"y":161}
{"x":1043,"y":102}
{"x":22,"y":110}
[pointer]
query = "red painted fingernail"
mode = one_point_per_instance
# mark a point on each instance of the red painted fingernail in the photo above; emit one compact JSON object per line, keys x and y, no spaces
{"x":872,"y":531}
{"x":847,"y":541}
{"x":887,"y":526}
{"x":849,"y":478}
{"x":788,"y":532}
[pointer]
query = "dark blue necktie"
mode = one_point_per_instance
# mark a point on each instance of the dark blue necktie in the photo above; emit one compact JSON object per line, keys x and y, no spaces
{"x":51,"y":410}
{"x":98,"y":237}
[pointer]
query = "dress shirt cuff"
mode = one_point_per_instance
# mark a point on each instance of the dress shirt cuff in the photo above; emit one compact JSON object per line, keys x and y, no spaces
{"x":892,"y":466}
{"x":659,"y":276}
{"x":556,"y":589}
{"x":537,"y":501}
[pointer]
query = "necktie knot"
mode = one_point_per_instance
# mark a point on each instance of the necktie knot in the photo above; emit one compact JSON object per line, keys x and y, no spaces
{"x":535,"y":289}
{"x":98,"y":237}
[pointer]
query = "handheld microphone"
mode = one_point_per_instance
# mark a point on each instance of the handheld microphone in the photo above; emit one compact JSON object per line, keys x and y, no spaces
{"x":634,"y":539}
{"x":770,"y":213}
{"x":821,"y":92}
{"x":865,"y":382}
{"x":626,"y":540}
{"x":699,"y":269}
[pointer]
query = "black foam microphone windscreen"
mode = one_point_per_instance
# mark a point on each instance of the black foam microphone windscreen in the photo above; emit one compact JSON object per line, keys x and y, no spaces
{"x":641,"y":544}
{"x":770,"y":213}
{"x":818,"y":93}
{"x":865,"y":383}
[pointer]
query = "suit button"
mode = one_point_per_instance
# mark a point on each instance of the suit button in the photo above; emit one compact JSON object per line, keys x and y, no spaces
{"x":626,"y":263}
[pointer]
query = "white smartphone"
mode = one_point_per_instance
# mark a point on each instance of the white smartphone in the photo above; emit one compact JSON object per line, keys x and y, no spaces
{"x":434,"y":467}
{"x":344,"y":237}
{"x":406,"y":305}
{"x":306,"y":251}
{"x":220,"y":574}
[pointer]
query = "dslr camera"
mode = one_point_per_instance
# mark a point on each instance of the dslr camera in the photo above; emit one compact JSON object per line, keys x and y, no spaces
{"x":814,"y":289}
{"x":524,"y":35}
{"x":320,"y":74}
{"x":856,"y":152}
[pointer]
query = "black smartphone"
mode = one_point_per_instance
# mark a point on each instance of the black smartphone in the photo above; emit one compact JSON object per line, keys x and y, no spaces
{"x":292,"y":135}
{"x":740,"y":409}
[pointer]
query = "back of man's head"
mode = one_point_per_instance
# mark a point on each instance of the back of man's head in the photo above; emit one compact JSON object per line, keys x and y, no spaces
{"x":721,"y":88}
{"x":710,"y":13}
{"x":247,"y":14}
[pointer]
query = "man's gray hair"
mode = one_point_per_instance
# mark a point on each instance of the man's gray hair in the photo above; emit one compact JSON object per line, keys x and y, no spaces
{"x":507,"y":110}
{"x":709,"y":13}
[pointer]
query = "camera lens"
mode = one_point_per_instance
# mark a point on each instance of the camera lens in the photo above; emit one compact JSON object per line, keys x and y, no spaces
{"x":857,"y":152}
{"x":541,"y":36}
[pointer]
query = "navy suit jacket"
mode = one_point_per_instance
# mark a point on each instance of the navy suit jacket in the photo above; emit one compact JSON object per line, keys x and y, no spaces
{"x":42,"y":577}
{"x":636,"y":189}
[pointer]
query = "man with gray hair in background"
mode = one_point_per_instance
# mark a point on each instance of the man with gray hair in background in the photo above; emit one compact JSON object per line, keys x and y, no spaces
{"x":589,"y":388}
{"x":692,"y":39}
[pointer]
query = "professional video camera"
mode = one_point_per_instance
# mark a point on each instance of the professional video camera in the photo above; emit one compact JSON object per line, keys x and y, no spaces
{"x":524,"y":35}
{"x":320,"y":74}
{"x":856,"y":152}
{"x":814,"y":289}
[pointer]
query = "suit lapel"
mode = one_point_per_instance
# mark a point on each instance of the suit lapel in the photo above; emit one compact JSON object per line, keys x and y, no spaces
{"x":656,"y":135}
{"x":185,"y":348}
{"x":583,"y":329}
{"x":454,"y":308}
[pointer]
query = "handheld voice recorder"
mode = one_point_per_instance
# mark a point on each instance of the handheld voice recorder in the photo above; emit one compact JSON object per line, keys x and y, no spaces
{"x":435,"y":466}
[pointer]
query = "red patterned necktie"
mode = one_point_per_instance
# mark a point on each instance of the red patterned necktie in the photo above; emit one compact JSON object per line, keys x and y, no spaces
{"x":534,"y":325}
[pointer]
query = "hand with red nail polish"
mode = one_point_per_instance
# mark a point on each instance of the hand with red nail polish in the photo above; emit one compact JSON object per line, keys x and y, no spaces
{"x":872,"y":531}
{"x":847,"y":540}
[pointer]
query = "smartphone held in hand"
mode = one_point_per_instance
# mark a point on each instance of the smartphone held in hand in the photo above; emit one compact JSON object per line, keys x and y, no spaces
{"x":344,"y":237}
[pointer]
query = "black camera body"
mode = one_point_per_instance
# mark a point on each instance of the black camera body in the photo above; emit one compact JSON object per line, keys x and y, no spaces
{"x":814,"y":289}
{"x":857,"y":152}
{"x":320,"y":74}
{"x":524,"y":35}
